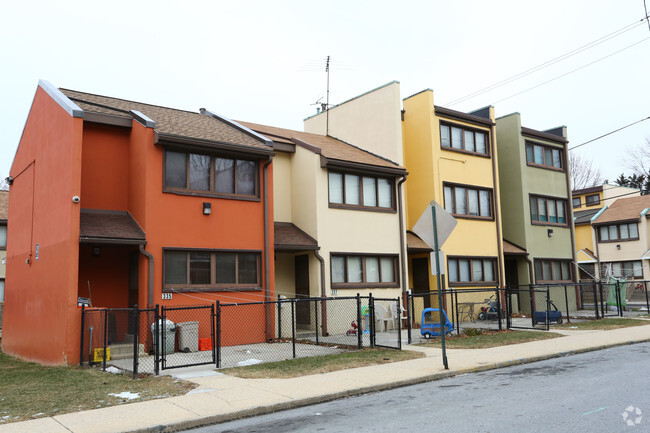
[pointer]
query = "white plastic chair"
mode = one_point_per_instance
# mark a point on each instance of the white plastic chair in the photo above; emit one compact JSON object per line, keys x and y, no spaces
{"x":395,"y":315}
{"x":382,"y":317}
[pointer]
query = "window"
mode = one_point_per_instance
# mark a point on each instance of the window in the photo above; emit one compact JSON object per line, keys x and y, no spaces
{"x":630,"y":269}
{"x":356,"y":191}
{"x":207,"y":270}
{"x":618,"y":232}
{"x":471,"y":270}
{"x":592,"y":200}
{"x":576,"y":202}
{"x":468,"y":201}
{"x":547,"y":210}
{"x":463,"y":139}
{"x":544,"y":156}
{"x":364,"y":271}
{"x":210,"y":175}
{"x":548,"y":270}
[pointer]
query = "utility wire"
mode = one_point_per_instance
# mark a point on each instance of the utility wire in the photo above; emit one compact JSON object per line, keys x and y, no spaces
{"x":548,"y":63}
{"x":609,"y":133}
{"x":574,"y":70}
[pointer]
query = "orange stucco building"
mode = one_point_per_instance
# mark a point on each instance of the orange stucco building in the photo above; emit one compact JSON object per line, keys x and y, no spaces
{"x":121,"y":202}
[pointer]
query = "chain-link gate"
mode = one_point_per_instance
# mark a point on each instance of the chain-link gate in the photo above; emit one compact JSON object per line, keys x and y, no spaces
{"x":185,"y":336}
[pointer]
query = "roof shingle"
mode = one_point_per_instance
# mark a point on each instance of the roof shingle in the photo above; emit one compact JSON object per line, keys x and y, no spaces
{"x":624,"y":209}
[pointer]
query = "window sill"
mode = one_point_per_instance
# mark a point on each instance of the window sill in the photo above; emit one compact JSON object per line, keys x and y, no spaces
{"x":362,"y":208}
{"x":365,"y":285}
{"x":546,"y":167}
{"x":211,"y":195}
{"x":549,"y":224}
{"x":618,"y":241}
{"x":470,"y":217}
{"x":465,"y":152}
{"x":211,"y":289}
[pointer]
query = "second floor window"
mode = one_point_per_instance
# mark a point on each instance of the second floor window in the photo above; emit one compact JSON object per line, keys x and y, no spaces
{"x":468,"y":201}
{"x":576,"y":202}
{"x":618,"y":232}
{"x":367,"y":192}
{"x":592,"y":200}
{"x":547,"y":210}
{"x":458,"y":138}
{"x":545,"y":156}
{"x":210,"y":175}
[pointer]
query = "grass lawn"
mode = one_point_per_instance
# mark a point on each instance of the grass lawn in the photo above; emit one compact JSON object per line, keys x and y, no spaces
{"x":29,"y":390}
{"x":479,"y":339}
{"x":604,"y":324}
{"x":321,"y":364}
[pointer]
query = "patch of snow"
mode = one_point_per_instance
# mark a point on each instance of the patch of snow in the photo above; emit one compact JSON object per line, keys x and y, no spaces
{"x":39,"y":414}
{"x":126,"y":395}
{"x":114,"y":370}
{"x":251,"y":361}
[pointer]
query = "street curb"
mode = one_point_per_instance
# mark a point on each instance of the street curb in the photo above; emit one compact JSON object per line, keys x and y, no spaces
{"x":264,"y":410}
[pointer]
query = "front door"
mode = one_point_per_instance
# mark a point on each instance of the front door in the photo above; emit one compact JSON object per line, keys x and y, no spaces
{"x":303,"y":310}
{"x":421,"y":278}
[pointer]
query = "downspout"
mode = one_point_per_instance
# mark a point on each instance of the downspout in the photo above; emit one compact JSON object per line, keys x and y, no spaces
{"x":571,"y":223}
{"x":400,"y":212}
{"x":530,"y":286}
{"x":267,"y":265}
{"x":599,"y":273}
{"x":497,"y":217}
{"x":149,"y":257}
{"x":323,"y":294}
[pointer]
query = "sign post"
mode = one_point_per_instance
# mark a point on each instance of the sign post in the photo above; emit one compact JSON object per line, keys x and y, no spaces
{"x":434,"y":228}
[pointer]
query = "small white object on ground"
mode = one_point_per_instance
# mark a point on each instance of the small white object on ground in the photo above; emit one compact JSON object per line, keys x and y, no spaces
{"x":126,"y":395}
{"x":251,"y":361}
{"x":114,"y":370}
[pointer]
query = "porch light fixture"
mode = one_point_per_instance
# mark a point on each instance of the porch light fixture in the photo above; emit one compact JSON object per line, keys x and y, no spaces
{"x":550,"y":233}
{"x":207,"y":208}
{"x":618,"y":246}
{"x":96,"y":251}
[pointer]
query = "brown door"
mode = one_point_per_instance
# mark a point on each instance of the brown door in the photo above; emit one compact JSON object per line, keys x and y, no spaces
{"x":303,"y":310}
{"x":421,"y":278}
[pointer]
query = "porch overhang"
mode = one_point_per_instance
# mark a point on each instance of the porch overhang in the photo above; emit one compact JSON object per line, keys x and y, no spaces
{"x":109,"y":227}
{"x":415,"y":245}
{"x":289,"y":238}
{"x":510,"y":249}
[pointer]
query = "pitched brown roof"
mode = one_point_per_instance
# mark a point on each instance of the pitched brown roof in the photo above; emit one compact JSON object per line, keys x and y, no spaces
{"x":327,"y":146}
{"x":582,"y":217}
{"x":510,"y":248}
{"x":4,"y":205}
{"x":169,"y":121}
{"x":624,"y":209}
{"x":288,"y":237}
{"x":111,"y":227}
{"x":415,"y":244}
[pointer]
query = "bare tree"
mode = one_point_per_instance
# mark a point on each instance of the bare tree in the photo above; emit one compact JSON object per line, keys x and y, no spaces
{"x":637,"y":159}
{"x":4,"y":185}
{"x":583,"y":173}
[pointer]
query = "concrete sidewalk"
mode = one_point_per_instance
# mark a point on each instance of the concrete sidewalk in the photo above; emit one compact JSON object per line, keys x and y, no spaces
{"x":220,"y":398}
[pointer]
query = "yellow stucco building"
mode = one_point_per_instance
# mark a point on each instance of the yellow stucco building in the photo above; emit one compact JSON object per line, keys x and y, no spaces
{"x":451,"y":158}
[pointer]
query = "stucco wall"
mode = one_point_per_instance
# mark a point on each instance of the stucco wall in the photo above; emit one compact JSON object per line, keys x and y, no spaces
{"x":370,"y":121}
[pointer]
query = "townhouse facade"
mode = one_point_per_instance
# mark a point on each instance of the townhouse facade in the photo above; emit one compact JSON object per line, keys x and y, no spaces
{"x":535,"y":196}
{"x":117,"y":203}
{"x":452,"y":159}
{"x":586,"y":203}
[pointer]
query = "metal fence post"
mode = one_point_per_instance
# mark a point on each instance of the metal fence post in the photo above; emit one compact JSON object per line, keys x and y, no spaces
{"x":619,"y":299}
{"x":156,"y":340}
{"x":411,"y":314}
{"x":399,"y":323}
{"x":566,"y":303}
{"x":316,"y":320}
{"x":360,"y":327}
{"x":408,"y":316}
{"x":216,"y":344}
{"x":136,"y":335}
{"x":81,"y":344}
{"x":279,"y":318}
{"x":645,"y":290}
{"x":457,"y":318}
{"x":548,"y":307}
{"x":371,"y":319}
{"x":105,"y":339}
{"x":496,"y":293}
{"x":293,"y":326}
{"x":595,"y":292}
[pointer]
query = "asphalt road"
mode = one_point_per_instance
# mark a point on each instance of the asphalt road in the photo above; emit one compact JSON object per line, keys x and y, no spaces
{"x":589,"y":392}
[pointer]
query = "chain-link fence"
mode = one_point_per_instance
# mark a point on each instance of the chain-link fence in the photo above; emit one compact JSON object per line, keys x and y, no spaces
{"x":231,"y":335}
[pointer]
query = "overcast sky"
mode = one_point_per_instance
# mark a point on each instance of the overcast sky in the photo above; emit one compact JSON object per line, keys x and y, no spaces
{"x":264,"y":61}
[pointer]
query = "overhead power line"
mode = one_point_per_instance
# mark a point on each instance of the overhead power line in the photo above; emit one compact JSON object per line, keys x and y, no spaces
{"x":609,"y":133}
{"x":548,"y":63}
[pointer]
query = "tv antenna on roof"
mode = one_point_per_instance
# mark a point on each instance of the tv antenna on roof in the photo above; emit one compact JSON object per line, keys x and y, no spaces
{"x":327,"y":101}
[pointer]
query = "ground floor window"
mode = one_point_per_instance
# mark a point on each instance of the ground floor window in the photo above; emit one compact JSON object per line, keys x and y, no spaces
{"x":630,"y":269}
{"x":209,"y":269}
{"x":552,"y":271}
{"x":360,"y":270}
{"x":471,"y":270}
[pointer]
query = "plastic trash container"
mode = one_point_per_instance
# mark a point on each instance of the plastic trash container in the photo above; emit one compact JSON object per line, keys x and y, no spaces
{"x":188,"y":336}
{"x":169,"y":329}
